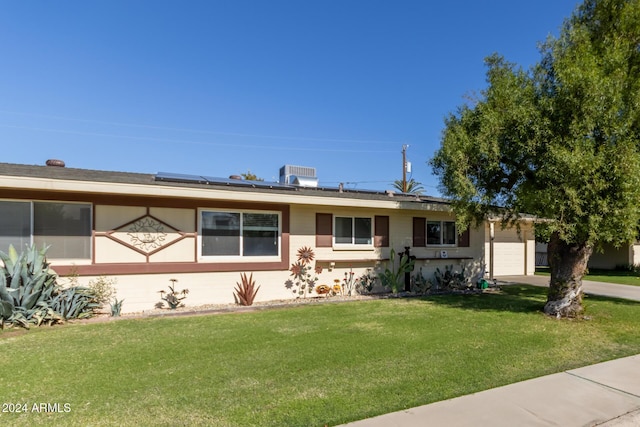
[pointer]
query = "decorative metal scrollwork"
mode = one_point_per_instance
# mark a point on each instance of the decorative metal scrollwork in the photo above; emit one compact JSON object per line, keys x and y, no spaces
{"x":147,"y":234}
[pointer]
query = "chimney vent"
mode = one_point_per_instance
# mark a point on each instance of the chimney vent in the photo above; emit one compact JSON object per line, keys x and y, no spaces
{"x":55,"y":162}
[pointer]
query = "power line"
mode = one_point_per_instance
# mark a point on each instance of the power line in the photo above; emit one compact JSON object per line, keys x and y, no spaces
{"x":239,"y":134}
{"x":182,"y":141}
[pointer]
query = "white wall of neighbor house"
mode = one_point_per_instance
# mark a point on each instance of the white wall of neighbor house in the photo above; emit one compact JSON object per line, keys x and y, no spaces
{"x":609,"y":257}
{"x":634,"y":253}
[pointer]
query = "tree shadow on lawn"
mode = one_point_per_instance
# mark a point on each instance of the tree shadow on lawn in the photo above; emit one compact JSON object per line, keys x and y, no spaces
{"x":602,"y":298}
{"x":512,"y":298}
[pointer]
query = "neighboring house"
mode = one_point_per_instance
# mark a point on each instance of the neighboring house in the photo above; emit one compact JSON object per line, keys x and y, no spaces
{"x":145,"y":229}
{"x":608,"y":258}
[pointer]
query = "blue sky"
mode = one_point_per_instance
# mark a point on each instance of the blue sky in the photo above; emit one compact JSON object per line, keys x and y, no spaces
{"x":222,"y":87}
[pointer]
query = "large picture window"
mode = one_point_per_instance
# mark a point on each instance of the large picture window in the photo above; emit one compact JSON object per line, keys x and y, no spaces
{"x":441,"y":233}
{"x":15,"y":225}
{"x":353,"y":231}
{"x":64,"y":227}
{"x":239,"y":233}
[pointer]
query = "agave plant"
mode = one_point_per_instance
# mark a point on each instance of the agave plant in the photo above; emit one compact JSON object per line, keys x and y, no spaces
{"x":6,"y":311}
{"x":246,"y":291}
{"x":28,"y":285}
{"x":75,"y":303}
{"x":116,"y":307}
{"x":29,"y":294}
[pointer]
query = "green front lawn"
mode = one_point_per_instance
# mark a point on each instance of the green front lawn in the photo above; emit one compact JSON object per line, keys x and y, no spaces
{"x":621,"y":277}
{"x":303,"y":366}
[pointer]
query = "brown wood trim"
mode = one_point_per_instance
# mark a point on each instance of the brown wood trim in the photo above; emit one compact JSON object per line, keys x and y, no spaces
{"x":183,"y":236}
{"x":350,"y":261}
{"x":324,"y":230}
{"x":381,"y":232}
{"x":109,"y":234}
{"x":419,"y":232}
{"x":136,"y":200}
{"x":464,"y":239}
{"x":167,"y":267}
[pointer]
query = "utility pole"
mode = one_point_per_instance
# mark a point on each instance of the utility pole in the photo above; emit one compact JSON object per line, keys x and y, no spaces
{"x":404,"y":168}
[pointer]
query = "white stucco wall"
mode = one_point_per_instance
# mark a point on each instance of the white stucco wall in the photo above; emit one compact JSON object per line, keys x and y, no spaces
{"x":610,"y":257}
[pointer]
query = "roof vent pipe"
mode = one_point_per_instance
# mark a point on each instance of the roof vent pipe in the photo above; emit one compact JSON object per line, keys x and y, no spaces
{"x":55,"y":162}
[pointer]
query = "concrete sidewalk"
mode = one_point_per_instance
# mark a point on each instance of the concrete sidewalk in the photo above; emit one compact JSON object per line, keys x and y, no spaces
{"x":606,"y":394}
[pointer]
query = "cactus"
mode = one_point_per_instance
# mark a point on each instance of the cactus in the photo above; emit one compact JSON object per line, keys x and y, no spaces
{"x":394,"y":279}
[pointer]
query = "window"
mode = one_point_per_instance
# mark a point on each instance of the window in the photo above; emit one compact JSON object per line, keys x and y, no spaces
{"x":353,"y":231}
{"x":15,"y":225}
{"x":64,"y":227}
{"x":441,"y":233}
{"x":239,"y":233}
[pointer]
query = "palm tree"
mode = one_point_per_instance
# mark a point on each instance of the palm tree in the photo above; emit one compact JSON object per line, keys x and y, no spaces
{"x":413,"y":186}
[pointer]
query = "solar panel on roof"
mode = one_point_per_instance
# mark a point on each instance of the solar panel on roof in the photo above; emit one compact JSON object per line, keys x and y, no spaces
{"x":245,"y":183}
{"x":199,"y":179}
{"x":179,"y":177}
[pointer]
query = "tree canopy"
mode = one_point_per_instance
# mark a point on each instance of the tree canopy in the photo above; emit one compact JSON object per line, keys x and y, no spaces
{"x":560,"y":140}
{"x":251,"y":176}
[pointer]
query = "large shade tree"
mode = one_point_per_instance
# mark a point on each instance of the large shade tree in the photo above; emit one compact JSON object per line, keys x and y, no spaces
{"x":560,"y":141}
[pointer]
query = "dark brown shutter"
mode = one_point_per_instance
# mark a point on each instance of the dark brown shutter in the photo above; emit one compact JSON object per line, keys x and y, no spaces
{"x":381,"y":238}
{"x":324,"y":230}
{"x":463,"y":239}
{"x":419,"y":232}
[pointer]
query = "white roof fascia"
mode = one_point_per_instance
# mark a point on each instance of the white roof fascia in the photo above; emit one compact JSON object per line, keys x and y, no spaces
{"x":75,"y":186}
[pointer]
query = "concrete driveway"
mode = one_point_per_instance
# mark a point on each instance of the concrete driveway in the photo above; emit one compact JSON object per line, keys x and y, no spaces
{"x":590,"y":287}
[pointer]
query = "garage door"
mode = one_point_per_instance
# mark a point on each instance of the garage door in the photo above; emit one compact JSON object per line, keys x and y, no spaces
{"x":509,"y":253}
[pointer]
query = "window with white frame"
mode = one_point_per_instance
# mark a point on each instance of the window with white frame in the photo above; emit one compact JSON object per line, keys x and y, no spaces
{"x":238,"y":234}
{"x":441,"y":233}
{"x":357,"y":231}
{"x":64,"y":227}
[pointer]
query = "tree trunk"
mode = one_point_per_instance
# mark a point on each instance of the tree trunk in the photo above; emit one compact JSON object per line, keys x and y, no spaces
{"x":568,"y":262}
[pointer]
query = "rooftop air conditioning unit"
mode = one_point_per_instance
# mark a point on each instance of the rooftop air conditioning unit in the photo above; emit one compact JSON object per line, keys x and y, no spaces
{"x":298,"y":175}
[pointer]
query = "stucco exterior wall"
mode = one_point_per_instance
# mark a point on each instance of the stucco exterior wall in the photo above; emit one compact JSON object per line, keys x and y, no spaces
{"x":635,"y":253}
{"x":141,"y":291}
{"x":611,"y":257}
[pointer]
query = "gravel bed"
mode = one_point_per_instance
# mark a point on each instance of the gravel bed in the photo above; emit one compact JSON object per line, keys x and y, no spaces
{"x":189,"y":310}
{"x":263,"y":305}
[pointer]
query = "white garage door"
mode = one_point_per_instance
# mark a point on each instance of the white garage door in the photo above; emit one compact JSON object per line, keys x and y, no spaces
{"x":509,"y":253}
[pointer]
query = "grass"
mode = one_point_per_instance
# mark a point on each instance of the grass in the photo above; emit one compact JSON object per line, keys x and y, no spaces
{"x":621,"y":277}
{"x":309,"y":365}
